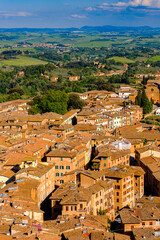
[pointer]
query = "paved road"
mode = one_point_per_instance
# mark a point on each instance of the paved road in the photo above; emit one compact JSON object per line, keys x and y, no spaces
{"x":151,"y":113}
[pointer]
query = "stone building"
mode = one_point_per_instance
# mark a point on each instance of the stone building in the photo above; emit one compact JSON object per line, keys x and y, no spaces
{"x":153,"y":92}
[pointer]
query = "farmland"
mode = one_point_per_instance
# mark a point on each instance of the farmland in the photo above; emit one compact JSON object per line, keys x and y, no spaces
{"x":121,"y":60}
{"x":21,"y":61}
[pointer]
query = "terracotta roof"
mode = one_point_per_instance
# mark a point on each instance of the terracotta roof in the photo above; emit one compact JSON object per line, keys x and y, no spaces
{"x":21,"y":190}
{"x":99,"y":186}
{"x":85,"y":127}
{"x":70,"y":194}
{"x":116,"y":172}
{"x":4,"y":229}
{"x":16,"y":158}
{"x":70,"y":114}
{"x":34,"y":147}
{"x":8,"y":173}
{"x":37,"y":171}
{"x":144,"y":233}
{"x":62,"y":153}
{"x":127,"y":217}
{"x":138,"y":171}
{"x":5,"y":237}
{"x":93,"y":174}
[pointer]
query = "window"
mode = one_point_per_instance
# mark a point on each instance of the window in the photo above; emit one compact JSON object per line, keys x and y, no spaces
{"x":61,"y":167}
{"x":150,"y":223}
{"x":61,"y":159}
{"x":73,"y":208}
{"x":57,"y":174}
{"x":117,"y":199}
{"x":104,"y":164}
{"x":61,"y":174}
{"x":117,"y":193}
{"x":143,"y":223}
{"x":61,"y":181}
{"x":67,"y":167}
{"x":104,"y":158}
{"x":81,"y":206}
{"x":67,"y":208}
{"x":56,"y":167}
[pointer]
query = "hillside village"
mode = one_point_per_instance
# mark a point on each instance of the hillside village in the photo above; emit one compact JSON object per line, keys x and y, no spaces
{"x":92,"y":173}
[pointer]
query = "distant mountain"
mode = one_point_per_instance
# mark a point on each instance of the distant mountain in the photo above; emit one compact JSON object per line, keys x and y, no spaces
{"x":106,"y":28}
{"x":109,"y":28}
{"x":40,"y":30}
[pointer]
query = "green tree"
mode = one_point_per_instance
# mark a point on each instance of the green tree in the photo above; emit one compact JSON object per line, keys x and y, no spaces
{"x":144,"y":141}
{"x":138,"y":99}
{"x":17,"y":90}
{"x":146,"y":104}
{"x":60,"y":79}
{"x":77,"y":89}
{"x":74,"y":102}
{"x":14,"y":96}
{"x":51,"y":101}
{"x":143,"y":101}
{"x":101,"y":212}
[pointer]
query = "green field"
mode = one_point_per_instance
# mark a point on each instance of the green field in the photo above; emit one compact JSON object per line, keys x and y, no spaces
{"x":121,"y":59}
{"x":21,"y":61}
{"x":156,"y":58}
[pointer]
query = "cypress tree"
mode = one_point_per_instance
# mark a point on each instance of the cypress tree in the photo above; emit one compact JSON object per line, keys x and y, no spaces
{"x":138,"y":99}
{"x":145,"y":103}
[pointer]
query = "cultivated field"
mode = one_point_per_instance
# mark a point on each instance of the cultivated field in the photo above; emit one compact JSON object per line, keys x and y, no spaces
{"x":21,"y":61}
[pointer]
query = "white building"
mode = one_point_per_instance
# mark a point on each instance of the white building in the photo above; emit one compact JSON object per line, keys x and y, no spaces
{"x":158,"y":112}
{"x":121,"y":145}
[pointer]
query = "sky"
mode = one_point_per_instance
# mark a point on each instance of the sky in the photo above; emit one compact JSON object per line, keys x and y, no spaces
{"x":78,"y":13}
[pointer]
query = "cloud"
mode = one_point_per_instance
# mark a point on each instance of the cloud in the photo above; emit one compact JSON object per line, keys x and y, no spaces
{"x":78,"y":16}
{"x":145,"y":3}
{"x":138,"y":3}
{"x":121,"y":5}
{"x":90,"y":9}
{"x":14,"y":14}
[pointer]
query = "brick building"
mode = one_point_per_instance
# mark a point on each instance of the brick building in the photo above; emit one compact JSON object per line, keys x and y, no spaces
{"x":153,"y":92}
